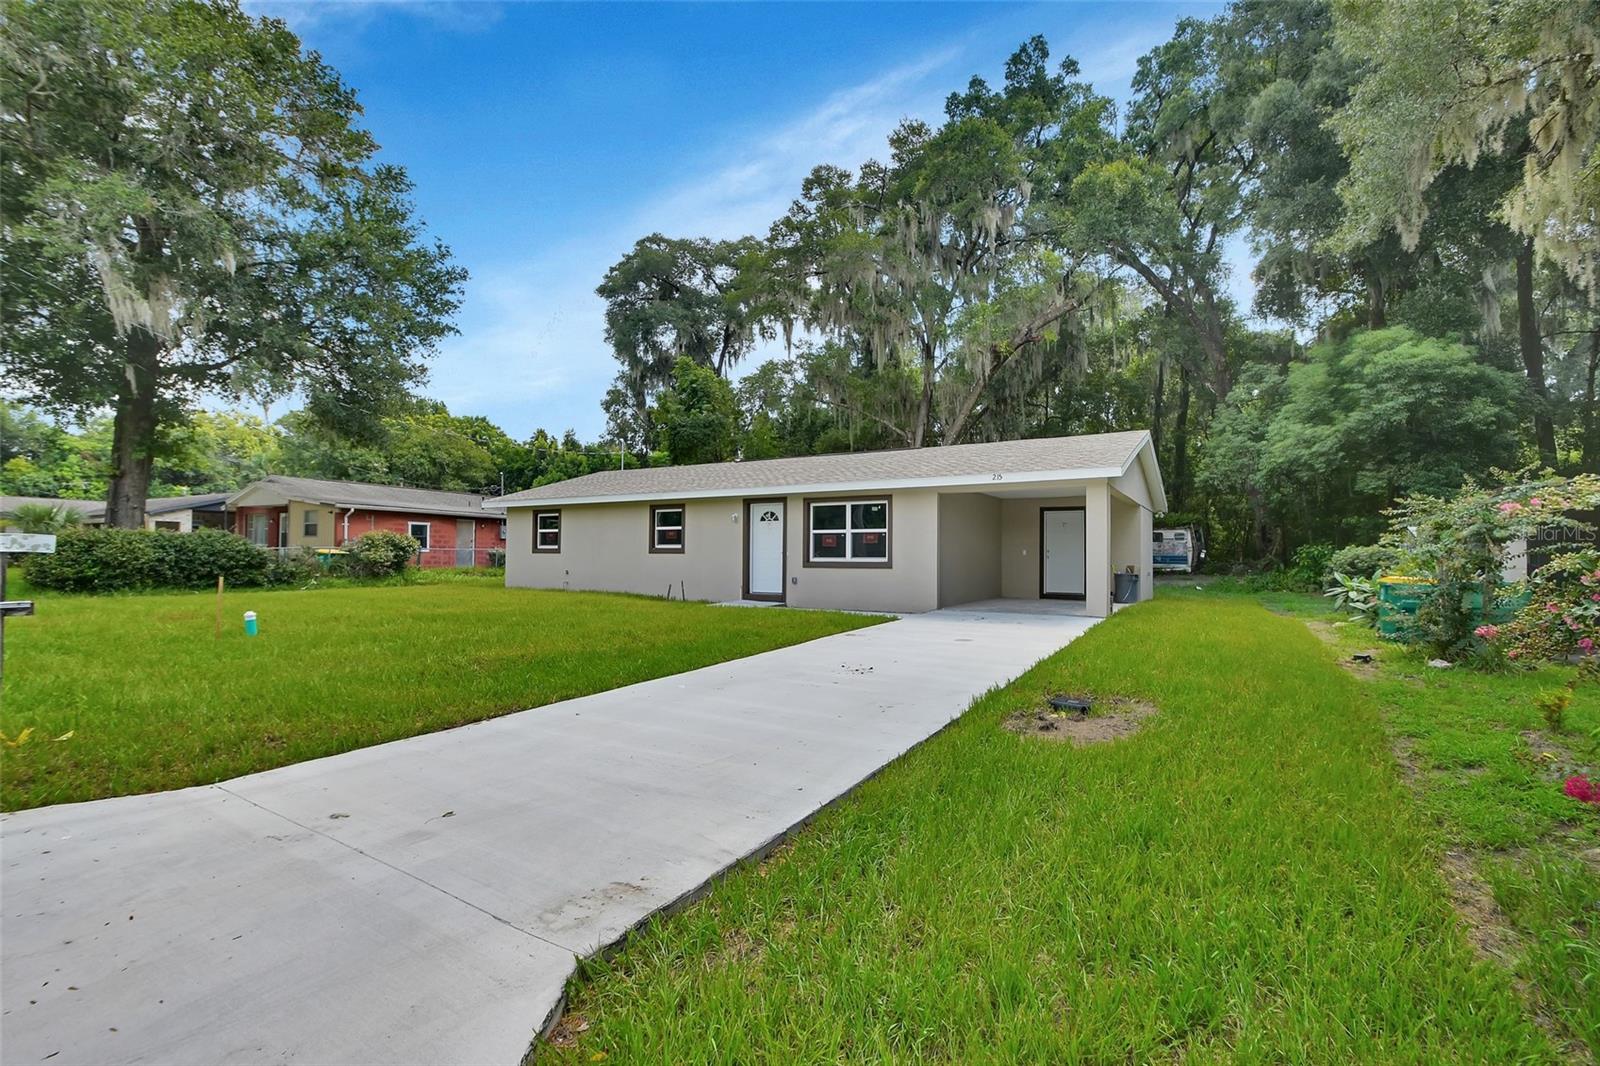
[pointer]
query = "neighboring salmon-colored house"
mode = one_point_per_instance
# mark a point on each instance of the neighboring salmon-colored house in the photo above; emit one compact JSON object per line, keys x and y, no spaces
{"x":296,"y":512}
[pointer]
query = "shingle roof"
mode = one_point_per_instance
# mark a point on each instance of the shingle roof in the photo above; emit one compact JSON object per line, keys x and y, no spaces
{"x":374,"y":497}
{"x":164,"y":504}
{"x":87,"y":508}
{"x":1052,"y":458}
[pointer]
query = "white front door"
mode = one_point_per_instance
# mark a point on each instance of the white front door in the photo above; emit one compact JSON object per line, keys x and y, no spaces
{"x":1064,"y":553}
{"x":764,"y":549}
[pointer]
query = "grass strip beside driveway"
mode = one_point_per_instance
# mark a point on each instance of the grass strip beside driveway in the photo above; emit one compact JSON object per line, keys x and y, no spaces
{"x":1244,"y":880}
{"x":148,"y":699}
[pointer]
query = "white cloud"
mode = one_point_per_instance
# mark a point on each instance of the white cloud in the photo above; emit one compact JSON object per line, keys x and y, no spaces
{"x":847,"y":129}
{"x":532,"y":348}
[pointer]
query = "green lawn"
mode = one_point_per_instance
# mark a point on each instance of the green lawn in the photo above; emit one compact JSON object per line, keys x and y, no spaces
{"x":1487,"y":774}
{"x":152,"y":700}
{"x":1248,"y":879}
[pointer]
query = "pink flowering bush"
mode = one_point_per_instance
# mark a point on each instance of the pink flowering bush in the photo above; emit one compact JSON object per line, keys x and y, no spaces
{"x":1583,"y":790}
{"x":1461,"y":544}
{"x":1563,"y":617}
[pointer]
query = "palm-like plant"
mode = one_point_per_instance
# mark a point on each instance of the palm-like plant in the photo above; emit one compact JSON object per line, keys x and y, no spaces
{"x":41,"y":518}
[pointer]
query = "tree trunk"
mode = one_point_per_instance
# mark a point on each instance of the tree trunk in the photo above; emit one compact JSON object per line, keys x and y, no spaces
{"x":1591,"y":419}
{"x":1180,"y":443}
{"x":925,"y":405}
{"x":1377,"y":314}
{"x":1532,"y":345}
{"x":133,"y":434}
{"x":1156,"y":407}
{"x":1197,"y":303}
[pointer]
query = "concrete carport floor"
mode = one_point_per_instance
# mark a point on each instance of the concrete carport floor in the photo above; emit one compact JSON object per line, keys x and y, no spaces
{"x":423,"y":901}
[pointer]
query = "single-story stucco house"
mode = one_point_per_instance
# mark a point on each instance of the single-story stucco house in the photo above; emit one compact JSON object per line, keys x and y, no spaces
{"x":308,"y":513}
{"x":907,"y":531}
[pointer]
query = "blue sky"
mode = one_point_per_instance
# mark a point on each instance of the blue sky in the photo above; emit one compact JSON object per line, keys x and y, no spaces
{"x":544,"y":139}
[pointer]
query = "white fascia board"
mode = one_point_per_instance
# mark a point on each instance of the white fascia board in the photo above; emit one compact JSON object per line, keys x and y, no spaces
{"x":834,"y":487}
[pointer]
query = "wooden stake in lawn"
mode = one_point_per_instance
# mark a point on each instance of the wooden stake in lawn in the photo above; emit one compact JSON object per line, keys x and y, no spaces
{"x":219,"y":607}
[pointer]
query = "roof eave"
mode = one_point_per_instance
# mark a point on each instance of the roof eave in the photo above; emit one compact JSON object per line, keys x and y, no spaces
{"x":394,"y":508}
{"x":1145,"y":455}
{"x":875,"y":485}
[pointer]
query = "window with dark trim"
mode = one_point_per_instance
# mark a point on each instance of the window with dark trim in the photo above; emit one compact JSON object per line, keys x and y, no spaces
{"x":666,"y":527}
{"x":847,"y":532}
{"x":418,"y":531}
{"x":547,"y":531}
{"x":308,"y":524}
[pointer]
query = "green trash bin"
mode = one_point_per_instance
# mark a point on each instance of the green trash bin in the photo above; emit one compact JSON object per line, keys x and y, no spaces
{"x":1399,"y":598}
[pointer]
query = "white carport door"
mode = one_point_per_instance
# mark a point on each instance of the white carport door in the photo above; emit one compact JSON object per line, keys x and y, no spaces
{"x":764,"y":527}
{"x":1064,"y":552}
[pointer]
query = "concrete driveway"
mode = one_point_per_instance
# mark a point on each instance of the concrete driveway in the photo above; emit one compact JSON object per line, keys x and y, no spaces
{"x":424,"y":901}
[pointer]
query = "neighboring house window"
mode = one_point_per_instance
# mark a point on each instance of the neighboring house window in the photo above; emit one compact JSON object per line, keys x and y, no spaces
{"x":256,"y":526}
{"x":418,"y":532}
{"x":847,"y":532}
{"x":547,"y":531}
{"x":173,"y":527}
{"x":666,"y":528}
{"x":308,"y":526}
{"x":502,"y":531}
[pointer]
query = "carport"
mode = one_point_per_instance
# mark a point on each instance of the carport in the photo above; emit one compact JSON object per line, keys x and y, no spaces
{"x":1046,"y":541}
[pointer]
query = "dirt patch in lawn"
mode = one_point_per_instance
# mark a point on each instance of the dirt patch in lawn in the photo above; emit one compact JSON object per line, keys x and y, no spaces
{"x":1553,"y":757}
{"x":1111,"y":718}
{"x":568,"y":1030}
{"x":1363,"y":662}
{"x":1488,"y":928}
{"x":1494,"y":939}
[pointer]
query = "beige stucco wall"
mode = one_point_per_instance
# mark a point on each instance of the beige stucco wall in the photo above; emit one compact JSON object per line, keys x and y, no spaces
{"x":910,"y":585}
{"x":184,"y":519}
{"x":1019,"y":544}
{"x":605,"y":548}
{"x":946,"y":548}
{"x":1130,"y":542}
{"x":327,"y":525}
{"x":1116,"y":531}
{"x":1134,"y":486}
{"x":969,"y":547}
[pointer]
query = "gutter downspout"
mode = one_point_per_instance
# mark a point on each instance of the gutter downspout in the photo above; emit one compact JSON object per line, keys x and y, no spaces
{"x":346,"y":536}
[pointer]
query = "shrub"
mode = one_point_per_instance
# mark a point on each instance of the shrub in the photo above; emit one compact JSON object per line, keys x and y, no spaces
{"x":380,"y":554}
{"x":1562,"y":617}
{"x":40,"y":518}
{"x":194,"y":560}
{"x":97,"y":560}
{"x":1307,"y":568}
{"x":1358,"y":595}
{"x":295,"y":567}
{"x":1364,"y":560}
{"x":1460,"y":544}
{"x":114,"y":560}
{"x":1553,"y":704}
